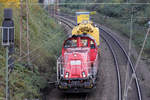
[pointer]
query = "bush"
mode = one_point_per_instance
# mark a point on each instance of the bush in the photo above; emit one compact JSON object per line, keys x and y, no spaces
{"x":46,"y":38}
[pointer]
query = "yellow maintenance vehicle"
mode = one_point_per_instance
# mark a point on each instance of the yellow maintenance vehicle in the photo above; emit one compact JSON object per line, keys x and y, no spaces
{"x":85,"y":26}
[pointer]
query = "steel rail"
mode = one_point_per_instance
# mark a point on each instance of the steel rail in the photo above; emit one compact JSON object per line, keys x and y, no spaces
{"x":70,"y":25}
{"x":124,"y":51}
{"x":129,"y":60}
{"x":115,"y":61}
{"x":117,"y":69}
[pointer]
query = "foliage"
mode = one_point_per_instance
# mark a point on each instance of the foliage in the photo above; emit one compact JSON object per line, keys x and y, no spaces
{"x":9,"y":3}
{"x":118,"y":17}
{"x":46,"y":38}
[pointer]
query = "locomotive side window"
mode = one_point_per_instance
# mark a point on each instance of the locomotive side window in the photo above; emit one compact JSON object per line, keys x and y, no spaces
{"x":70,"y":43}
{"x":84,"y":42}
{"x":92,"y":45}
{"x":74,"y":43}
{"x":67,"y":44}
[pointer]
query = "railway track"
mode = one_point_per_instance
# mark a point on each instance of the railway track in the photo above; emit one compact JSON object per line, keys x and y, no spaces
{"x":116,"y":49}
{"x":72,"y":96}
{"x":76,"y":97}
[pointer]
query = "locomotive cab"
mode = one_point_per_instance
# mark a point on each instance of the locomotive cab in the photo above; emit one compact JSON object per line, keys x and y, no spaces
{"x":77,"y":67}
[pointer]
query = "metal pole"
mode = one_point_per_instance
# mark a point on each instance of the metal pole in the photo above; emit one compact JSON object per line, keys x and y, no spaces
{"x":130,"y":45}
{"x":142,"y":49}
{"x":48,"y":7}
{"x":28,"y":42}
{"x":85,"y":4}
{"x":7,"y":95}
{"x":55,"y":4}
{"x":21,"y":26}
{"x":139,"y":57}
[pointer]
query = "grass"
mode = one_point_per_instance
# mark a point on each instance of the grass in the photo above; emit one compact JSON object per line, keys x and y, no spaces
{"x":46,"y":38}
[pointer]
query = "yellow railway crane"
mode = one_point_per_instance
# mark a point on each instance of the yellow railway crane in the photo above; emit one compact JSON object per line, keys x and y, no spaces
{"x":85,"y":26}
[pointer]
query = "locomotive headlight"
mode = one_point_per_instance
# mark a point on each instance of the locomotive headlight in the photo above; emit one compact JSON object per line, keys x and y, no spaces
{"x":75,"y":55}
{"x":83,"y":74}
{"x":67,"y":75}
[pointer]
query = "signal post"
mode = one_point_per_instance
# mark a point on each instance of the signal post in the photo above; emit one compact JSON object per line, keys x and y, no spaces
{"x":8,"y":42}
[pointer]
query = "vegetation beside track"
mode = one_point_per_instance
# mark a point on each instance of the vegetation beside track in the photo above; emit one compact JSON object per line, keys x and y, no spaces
{"x":118,"y":17}
{"x":46,"y":36}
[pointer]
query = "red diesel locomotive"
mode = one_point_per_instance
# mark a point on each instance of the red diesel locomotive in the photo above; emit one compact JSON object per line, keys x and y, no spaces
{"x":77,"y":67}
